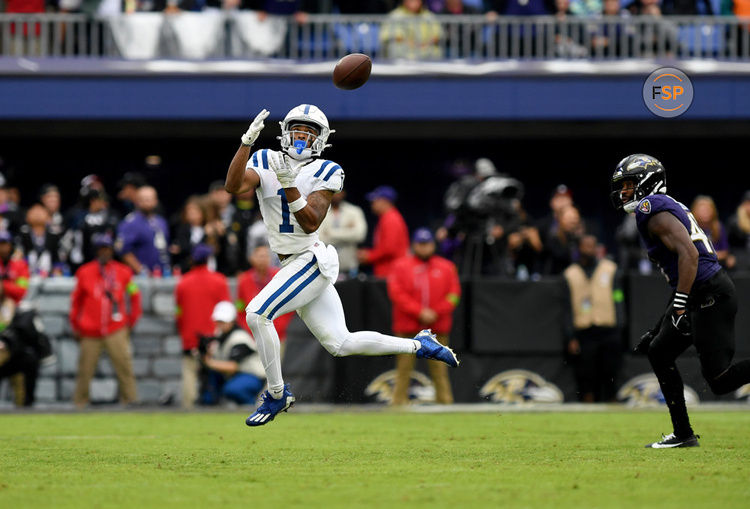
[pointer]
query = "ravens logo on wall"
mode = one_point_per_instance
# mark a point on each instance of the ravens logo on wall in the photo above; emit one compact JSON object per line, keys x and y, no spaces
{"x":644,"y":391}
{"x":743,"y":392}
{"x":520,"y":386}
{"x":420,"y":387}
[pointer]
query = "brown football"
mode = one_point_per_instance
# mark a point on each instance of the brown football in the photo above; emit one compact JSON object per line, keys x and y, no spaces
{"x":352,"y":71}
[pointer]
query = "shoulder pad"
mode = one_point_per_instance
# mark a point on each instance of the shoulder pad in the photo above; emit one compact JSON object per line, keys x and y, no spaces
{"x":326,"y":170}
{"x":260,"y":159}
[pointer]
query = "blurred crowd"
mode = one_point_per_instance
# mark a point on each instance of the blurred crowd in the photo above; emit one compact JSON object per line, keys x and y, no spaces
{"x":485,"y":229}
{"x":417,"y":29}
{"x":300,"y":8}
{"x":107,"y":238}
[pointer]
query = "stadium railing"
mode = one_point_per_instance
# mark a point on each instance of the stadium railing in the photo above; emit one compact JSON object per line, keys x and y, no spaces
{"x":235,"y":35}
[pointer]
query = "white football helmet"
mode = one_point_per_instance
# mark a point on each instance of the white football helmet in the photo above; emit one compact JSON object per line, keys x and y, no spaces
{"x":307,"y":114}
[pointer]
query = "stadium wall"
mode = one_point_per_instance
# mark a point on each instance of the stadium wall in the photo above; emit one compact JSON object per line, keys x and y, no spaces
{"x":182,"y":91}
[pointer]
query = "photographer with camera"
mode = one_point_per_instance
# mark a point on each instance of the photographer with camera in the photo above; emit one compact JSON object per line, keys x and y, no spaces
{"x":482,"y":212}
{"x":234,"y":368}
{"x":24,"y":348}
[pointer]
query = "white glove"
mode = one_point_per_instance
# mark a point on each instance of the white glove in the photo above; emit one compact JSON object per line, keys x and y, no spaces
{"x":279,"y":164}
{"x":255,"y":128}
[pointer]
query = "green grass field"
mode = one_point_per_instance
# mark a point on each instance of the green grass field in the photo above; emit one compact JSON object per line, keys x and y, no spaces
{"x":371,"y":459}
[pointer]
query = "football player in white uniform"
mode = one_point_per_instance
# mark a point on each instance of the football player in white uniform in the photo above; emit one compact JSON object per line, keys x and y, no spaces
{"x":294,"y":187}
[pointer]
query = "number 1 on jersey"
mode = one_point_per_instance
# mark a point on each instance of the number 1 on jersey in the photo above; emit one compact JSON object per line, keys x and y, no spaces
{"x":285,"y":226}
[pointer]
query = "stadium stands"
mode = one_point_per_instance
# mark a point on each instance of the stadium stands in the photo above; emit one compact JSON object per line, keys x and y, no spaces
{"x":324,"y":37}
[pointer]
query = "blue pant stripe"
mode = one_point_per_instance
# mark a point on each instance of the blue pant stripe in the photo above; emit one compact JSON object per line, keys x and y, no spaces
{"x":286,"y":285}
{"x":294,"y":293}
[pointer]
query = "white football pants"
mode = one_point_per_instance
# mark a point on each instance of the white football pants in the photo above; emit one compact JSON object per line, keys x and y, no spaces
{"x":299,"y":286}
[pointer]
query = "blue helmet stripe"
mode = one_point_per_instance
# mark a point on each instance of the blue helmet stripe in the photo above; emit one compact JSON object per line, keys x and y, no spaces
{"x":321,"y":169}
{"x":307,"y":109}
{"x":331,"y":172}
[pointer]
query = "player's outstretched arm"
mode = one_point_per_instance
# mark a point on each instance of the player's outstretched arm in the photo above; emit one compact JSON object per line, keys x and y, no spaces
{"x":239,"y":180}
{"x":676,"y":238}
{"x":315,"y":209}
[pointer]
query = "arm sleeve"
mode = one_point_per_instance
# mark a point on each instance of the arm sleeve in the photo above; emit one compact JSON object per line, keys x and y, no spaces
{"x":398,"y":293}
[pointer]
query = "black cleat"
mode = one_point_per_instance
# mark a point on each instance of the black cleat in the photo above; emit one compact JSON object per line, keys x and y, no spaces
{"x":671,"y":441}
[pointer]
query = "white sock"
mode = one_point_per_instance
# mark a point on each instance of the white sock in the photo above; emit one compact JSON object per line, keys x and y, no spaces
{"x":276,"y":393}
{"x":269,"y":350}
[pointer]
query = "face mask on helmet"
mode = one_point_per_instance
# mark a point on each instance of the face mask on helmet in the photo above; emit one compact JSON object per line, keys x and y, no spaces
{"x":301,"y":138}
{"x":297,"y":138}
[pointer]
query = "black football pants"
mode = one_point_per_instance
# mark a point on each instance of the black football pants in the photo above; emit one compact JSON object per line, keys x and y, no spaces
{"x":712,"y":309}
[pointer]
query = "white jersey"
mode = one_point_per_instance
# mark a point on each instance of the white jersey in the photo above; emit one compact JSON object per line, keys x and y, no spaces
{"x":285,"y":235}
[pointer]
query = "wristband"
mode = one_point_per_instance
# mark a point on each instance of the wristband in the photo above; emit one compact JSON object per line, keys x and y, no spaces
{"x":297,"y":205}
{"x":680,"y":300}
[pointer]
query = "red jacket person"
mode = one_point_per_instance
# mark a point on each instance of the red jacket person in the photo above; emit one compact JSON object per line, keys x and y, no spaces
{"x":196,"y":295}
{"x":13,"y":271}
{"x":105,"y":305}
{"x":424,"y":290}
